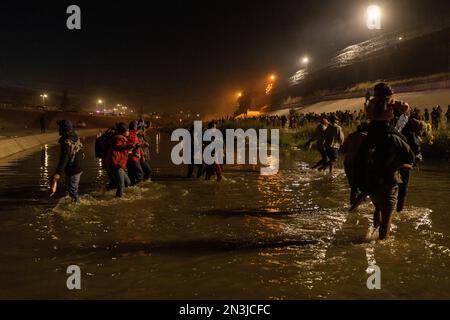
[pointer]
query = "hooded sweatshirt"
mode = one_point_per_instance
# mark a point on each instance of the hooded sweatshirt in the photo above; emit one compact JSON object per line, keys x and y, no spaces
{"x":72,"y":155}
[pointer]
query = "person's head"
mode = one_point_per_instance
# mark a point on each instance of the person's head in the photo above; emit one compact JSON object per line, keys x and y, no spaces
{"x":324,"y":121}
{"x":211,"y":125}
{"x":133,"y":125}
{"x":122,"y":129}
{"x":333,"y":119}
{"x":65,"y":127}
{"x":383,"y":91}
{"x":415,"y":115}
{"x":363,"y":127}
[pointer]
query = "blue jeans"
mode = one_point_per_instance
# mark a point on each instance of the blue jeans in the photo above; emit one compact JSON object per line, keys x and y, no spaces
{"x":122,"y":180}
{"x":73,"y":182}
{"x":135,"y":172}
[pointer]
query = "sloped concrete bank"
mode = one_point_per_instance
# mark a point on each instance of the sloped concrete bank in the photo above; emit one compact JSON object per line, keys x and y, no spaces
{"x":12,"y":146}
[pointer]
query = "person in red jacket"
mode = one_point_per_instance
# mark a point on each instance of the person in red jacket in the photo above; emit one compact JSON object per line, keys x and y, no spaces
{"x":118,"y":158}
{"x":134,"y":167}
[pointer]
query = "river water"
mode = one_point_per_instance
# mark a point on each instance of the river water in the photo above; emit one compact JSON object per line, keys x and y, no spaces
{"x":287,"y":236}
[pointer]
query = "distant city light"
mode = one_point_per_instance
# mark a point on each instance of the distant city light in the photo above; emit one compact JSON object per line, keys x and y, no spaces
{"x":400,"y":38}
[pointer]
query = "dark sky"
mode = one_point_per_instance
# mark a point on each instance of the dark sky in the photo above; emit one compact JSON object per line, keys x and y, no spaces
{"x":189,"y":54}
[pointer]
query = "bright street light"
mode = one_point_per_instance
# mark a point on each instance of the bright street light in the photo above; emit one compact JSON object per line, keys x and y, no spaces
{"x":273,"y":77}
{"x":374,"y":17}
{"x":44,"y":96}
{"x":305,"y":60}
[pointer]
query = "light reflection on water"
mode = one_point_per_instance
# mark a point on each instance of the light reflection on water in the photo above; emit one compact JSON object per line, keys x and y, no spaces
{"x":250,"y":236}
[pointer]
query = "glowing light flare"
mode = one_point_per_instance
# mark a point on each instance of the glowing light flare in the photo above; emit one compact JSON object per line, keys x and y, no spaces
{"x":373,"y":17}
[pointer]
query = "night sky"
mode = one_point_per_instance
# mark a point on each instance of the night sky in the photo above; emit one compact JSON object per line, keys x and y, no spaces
{"x":191,"y":55}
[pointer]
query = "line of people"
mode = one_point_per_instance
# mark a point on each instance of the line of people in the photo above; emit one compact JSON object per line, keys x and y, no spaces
{"x":125,"y":155}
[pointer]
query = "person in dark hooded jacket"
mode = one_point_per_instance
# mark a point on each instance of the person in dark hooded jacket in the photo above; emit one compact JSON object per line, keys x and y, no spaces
{"x":71,"y":159}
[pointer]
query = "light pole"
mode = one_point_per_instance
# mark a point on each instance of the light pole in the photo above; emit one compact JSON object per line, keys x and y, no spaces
{"x":44,"y":96}
{"x":269,"y":87}
{"x":99,"y":102}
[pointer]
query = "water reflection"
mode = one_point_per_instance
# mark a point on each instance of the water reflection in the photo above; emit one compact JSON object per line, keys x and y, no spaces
{"x":44,"y":167}
{"x":100,"y":173}
{"x":157,"y":141}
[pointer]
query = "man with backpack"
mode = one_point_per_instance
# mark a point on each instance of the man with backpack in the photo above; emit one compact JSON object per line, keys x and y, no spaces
{"x":71,"y":159}
{"x":117,"y":157}
{"x":383,"y":154}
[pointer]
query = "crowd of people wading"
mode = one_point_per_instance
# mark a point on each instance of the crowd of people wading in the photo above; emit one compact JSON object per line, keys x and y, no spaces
{"x":379,"y":156}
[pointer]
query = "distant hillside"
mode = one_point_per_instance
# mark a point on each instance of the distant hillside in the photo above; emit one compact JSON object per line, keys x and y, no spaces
{"x":401,"y":55}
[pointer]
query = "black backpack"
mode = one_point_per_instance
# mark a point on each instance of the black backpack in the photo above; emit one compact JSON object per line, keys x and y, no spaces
{"x":376,"y":164}
{"x":103,"y":142}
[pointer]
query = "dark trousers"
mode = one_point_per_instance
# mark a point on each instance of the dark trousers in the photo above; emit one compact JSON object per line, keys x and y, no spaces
{"x":200,"y":170}
{"x":385,"y":201}
{"x":403,"y":188}
{"x":355,"y":192}
{"x":146,"y":169}
{"x":324,"y":158}
{"x":213,"y":168}
{"x":135,"y":172}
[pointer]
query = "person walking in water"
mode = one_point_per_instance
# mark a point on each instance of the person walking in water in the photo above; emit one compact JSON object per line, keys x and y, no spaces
{"x":145,"y":149}
{"x":43,"y":122}
{"x":118,"y":158}
{"x":134,"y":167}
{"x":192,"y":165}
{"x":70,"y":160}
{"x":334,"y":138}
{"x":381,"y":156}
{"x":319,"y":137}
{"x":214,"y":168}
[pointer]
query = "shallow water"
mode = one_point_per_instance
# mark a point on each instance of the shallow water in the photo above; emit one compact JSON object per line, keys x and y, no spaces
{"x":288,"y":236}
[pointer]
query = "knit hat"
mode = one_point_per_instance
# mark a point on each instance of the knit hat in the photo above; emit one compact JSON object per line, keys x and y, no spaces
{"x":121,"y":128}
{"x":65,"y":126}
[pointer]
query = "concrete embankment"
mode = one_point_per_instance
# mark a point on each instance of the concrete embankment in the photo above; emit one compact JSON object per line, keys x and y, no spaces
{"x":420,"y":99}
{"x":11,"y":146}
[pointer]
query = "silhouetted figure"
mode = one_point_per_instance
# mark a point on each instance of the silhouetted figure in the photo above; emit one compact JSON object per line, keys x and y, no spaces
{"x":43,"y":123}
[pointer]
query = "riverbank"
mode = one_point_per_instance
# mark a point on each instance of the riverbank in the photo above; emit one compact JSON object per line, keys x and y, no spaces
{"x":438,"y":148}
{"x":11,"y":146}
